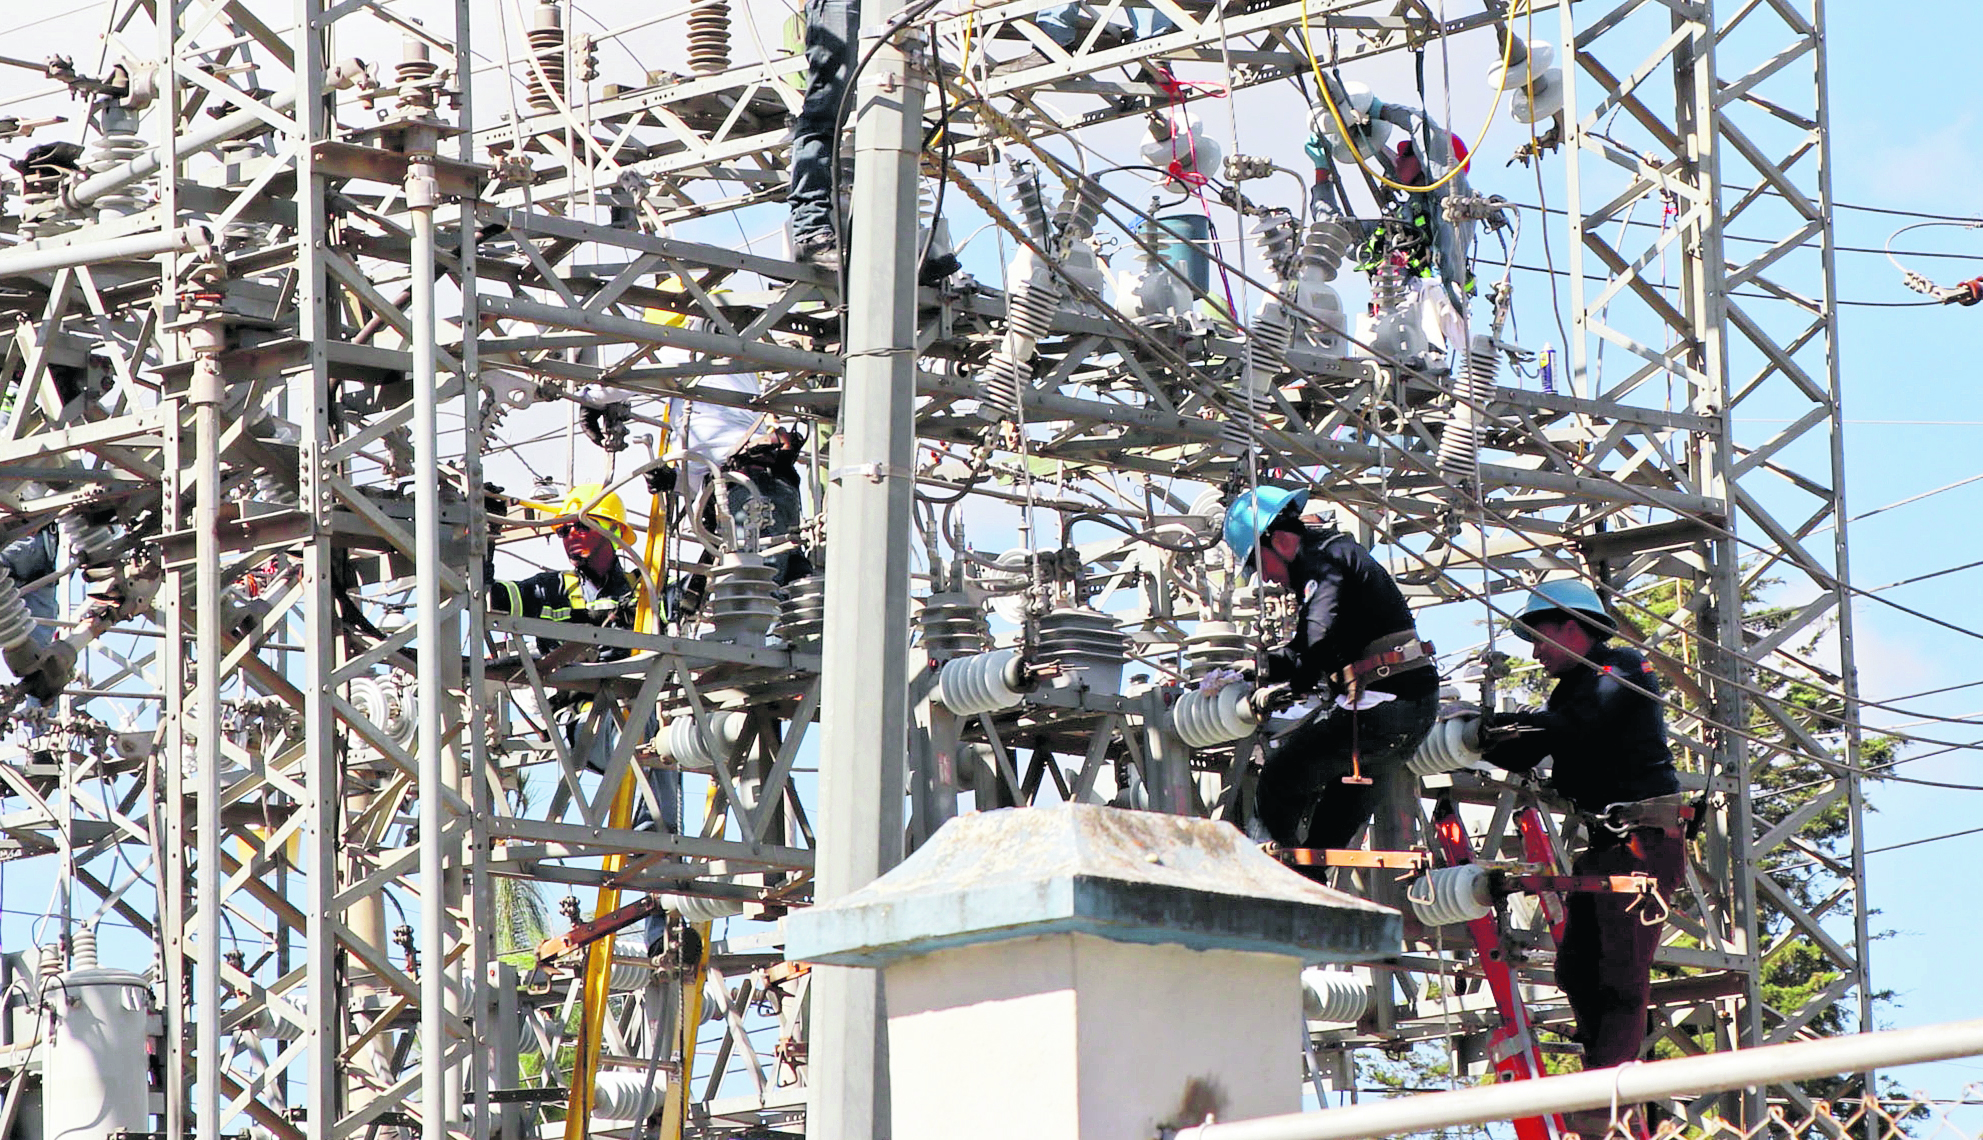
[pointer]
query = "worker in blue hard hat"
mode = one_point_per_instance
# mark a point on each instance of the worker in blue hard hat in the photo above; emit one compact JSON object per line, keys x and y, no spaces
{"x":1356,"y":647}
{"x":1605,"y":728}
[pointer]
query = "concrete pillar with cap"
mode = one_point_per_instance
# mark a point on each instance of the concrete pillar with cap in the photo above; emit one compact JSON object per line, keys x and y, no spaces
{"x":1091,"y":972}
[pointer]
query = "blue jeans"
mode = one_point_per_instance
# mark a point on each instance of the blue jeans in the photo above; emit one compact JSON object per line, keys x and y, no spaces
{"x":1068,"y":24}
{"x":832,"y":35}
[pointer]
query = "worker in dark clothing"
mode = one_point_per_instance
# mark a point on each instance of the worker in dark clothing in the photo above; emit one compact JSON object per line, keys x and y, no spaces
{"x":596,"y":590}
{"x":43,"y":665}
{"x":1355,"y":646}
{"x":1605,"y":728}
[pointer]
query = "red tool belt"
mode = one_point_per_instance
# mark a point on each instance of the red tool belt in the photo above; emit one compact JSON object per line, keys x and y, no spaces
{"x":1384,"y":657}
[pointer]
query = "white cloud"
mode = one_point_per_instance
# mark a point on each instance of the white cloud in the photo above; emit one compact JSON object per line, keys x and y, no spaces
{"x":1923,"y":166}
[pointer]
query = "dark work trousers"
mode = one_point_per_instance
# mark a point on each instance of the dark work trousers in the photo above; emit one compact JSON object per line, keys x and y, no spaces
{"x":1604,"y":965}
{"x":832,"y":35}
{"x":1302,"y":798}
{"x":593,"y":741}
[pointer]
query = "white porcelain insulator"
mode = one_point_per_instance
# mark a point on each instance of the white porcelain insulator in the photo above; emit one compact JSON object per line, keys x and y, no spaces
{"x":628,"y":1095}
{"x":695,"y":910}
{"x":1337,"y":997}
{"x":687,"y":747}
{"x":16,"y":622}
{"x":1445,"y":748}
{"x":1448,"y":895}
{"x":1207,"y":720}
{"x":978,"y":684}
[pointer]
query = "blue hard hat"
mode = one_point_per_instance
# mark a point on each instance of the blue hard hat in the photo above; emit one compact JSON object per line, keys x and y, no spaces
{"x":1249,"y":517}
{"x":1566,"y":596}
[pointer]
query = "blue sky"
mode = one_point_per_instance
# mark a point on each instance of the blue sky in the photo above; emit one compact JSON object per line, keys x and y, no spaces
{"x":1906,"y":136}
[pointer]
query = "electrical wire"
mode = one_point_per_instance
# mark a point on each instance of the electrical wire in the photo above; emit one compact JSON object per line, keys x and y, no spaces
{"x":1459,"y":166}
{"x":1355,"y":417}
{"x":1748,"y":240}
{"x":1890,"y":847}
{"x":1915,"y":281}
{"x":1751,"y":295}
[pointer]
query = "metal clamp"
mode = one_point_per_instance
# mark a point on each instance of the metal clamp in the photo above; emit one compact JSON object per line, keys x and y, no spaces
{"x":873,"y":472}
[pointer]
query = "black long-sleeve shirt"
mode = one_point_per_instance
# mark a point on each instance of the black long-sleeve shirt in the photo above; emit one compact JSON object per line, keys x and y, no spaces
{"x":1347,"y":602}
{"x":568,"y":595}
{"x":1606,"y":729}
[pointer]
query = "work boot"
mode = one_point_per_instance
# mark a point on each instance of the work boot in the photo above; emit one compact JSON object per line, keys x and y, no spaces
{"x":821,"y":251}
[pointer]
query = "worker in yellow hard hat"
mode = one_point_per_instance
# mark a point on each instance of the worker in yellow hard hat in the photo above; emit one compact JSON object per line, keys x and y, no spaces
{"x":597,"y":589}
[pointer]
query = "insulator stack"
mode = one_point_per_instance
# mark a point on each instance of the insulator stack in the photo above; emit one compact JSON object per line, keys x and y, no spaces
{"x":743,"y":600}
{"x":687,"y":748}
{"x":980,"y":683}
{"x":388,"y":704}
{"x":83,"y":948}
{"x":629,"y":1095}
{"x":1338,"y":997}
{"x":1032,"y":204}
{"x":628,"y":976}
{"x":1207,"y":719}
{"x":1387,"y":287}
{"x":696,"y":910}
{"x":16,"y":621}
{"x":49,"y":964}
{"x":1240,"y":432}
{"x":1327,"y":241}
{"x":1267,"y":343}
{"x":952,"y":626}
{"x":709,"y":37}
{"x":1445,"y":748}
{"x":1001,"y":385}
{"x":1449,"y":895}
{"x":1033,"y":307}
{"x":1278,"y":244}
{"x":1089,"y":646}
{"x":1079,"y":206}
{"x":1215,"y":645}
{"x":416,"y":66}
{"x":802,"y":615}
{"x":402,"y":713}
{"x":544,"y":74}
{"x":116,"y":144}
{"x":369,"y":698}
{"x":1266,"y":357}
{"x":1459,"y":445}
{"x":93,"y":543}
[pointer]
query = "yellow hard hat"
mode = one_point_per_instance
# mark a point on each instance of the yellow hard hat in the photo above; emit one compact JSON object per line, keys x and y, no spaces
{"x":607,"y":509}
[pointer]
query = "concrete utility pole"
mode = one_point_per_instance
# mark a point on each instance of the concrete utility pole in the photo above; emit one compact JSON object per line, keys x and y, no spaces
{"x":864,"y":705}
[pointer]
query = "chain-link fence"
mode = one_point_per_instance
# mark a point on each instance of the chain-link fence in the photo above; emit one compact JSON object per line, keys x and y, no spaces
{"x":1918,"y":1116}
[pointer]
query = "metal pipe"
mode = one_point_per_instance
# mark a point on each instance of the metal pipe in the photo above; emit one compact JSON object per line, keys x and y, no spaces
{"x":133,"y":247}
{"x":205,"y":394}
{"x":145,"y":165}
{"x":1625,"y":1085}
{"x":422,"y":195}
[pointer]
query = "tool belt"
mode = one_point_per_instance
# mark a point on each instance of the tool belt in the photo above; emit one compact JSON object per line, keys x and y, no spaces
{"x":1385,"y":657}
{"x":1669,"y":815}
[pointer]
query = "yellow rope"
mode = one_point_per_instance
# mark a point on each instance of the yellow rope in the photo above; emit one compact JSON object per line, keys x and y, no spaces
{"x":1500,"y":89}
{"x":598,"y":980}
